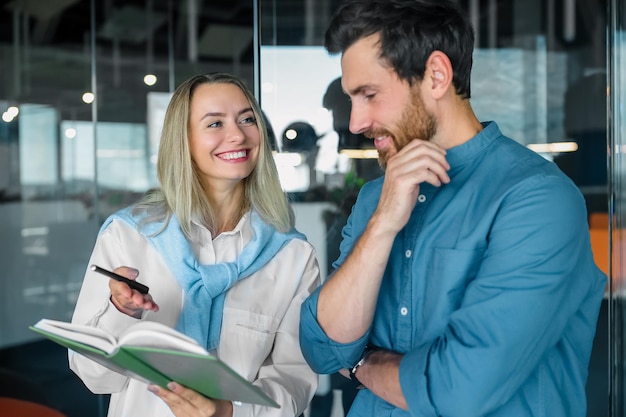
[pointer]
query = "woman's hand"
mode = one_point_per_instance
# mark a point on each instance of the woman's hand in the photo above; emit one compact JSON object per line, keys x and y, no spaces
{"x":125,"y":299}
{"x":188,"y":403}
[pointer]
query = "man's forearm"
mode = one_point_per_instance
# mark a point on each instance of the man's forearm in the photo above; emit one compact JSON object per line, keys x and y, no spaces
{"x":348,"y":299}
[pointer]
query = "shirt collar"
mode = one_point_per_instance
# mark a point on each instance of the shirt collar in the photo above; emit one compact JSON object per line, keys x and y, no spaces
{"x":464,"y":153}
{"x":200,"y":233}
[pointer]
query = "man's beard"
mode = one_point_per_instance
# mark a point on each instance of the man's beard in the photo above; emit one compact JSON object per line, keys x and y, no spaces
{"x":415,"y":123}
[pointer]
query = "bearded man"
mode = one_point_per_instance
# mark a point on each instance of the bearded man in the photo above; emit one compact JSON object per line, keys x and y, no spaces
{"x":466,"y":285}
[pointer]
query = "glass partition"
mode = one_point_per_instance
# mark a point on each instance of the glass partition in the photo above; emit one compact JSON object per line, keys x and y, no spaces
{"x":83,"y":89}
{"x":617,"y":145}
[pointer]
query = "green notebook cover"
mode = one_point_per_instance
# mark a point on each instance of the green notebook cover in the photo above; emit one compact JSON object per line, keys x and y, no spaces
{"x":203,"y":373}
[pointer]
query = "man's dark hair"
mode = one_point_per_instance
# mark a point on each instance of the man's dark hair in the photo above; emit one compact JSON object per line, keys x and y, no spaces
{"x":410,"y":30}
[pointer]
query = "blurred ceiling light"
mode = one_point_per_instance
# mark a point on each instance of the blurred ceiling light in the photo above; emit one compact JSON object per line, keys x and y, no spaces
{"x":150,"y":79}
{"x":88,"y":97}
{"x":554,"y":147}
{"x":10,"y":114}
{"x":360,"y":153}
{"x":299,"y":137}
{"x":291,"y":134}
{"x":6,"y":117}
{"x":13,"y":111}
{"x":70,"y":133}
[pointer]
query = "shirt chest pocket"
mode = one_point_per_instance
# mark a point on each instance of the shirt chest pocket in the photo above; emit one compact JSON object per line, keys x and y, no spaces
{"x":247,"y":338}
{"x":448,"y":274}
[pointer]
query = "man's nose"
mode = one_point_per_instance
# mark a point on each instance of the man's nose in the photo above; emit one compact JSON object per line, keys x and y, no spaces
{"x":359,"y":120}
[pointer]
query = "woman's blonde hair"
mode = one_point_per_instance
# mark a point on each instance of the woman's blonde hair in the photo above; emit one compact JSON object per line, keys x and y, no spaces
{"x":181,"y":192}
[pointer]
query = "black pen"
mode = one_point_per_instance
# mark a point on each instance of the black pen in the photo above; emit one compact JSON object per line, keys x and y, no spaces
{"x":132,"y":284}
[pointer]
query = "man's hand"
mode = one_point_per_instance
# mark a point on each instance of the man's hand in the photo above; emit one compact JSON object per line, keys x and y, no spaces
{"x":185,"y":402}
{"x":125,"y":299}
{"x":380,"y":373}
{"x":419,"y":161}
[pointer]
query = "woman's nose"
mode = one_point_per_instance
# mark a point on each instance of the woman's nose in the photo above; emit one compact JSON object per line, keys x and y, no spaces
{"x":235,"y":133}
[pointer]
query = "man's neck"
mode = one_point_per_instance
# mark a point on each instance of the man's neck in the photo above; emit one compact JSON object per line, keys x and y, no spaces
{"x":457,"y":125}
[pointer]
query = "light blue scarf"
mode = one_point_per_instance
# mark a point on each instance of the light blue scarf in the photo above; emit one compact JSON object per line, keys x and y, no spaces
{"x":205,"y":286}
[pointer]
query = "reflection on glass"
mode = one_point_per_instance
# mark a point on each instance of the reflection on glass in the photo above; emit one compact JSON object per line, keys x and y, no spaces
{"x":82,"y":102}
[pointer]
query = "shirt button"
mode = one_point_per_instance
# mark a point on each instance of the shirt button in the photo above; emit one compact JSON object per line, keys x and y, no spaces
{"x":421,"y":198}
{"x":404,"y":311}
{"x":408,"y":253}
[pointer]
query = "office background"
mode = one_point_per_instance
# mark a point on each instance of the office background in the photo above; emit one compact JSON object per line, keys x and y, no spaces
{"x":83,"y":89}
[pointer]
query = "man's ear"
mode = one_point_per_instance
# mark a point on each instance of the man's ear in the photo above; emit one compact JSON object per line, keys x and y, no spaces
{"x":439,"y":71}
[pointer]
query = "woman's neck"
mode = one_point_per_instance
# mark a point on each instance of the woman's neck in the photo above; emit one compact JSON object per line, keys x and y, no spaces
{"x":227,"y":209}
{"x":228,"y":222}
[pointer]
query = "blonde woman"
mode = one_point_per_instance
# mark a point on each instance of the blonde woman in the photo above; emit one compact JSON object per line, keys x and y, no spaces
{"x":216,"y":245}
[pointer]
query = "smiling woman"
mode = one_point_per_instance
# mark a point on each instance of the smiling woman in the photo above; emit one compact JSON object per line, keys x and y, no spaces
{"x":213,"y":243}
{"x":211,"y":116}
{"x":224,"y":139}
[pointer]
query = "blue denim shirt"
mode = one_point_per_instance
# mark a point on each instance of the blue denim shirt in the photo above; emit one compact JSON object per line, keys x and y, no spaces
{"x":490,"y":292}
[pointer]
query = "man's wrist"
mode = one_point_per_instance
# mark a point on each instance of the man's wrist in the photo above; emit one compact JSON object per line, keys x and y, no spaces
{"x":369,"y":349}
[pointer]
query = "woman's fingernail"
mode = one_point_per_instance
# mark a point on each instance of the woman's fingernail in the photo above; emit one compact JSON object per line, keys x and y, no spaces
{"x":172,"y":385}
{"x":153,"y":389}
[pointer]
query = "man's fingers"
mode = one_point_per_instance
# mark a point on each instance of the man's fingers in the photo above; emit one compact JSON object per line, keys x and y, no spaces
{"x":419,"y":168}
{"x":420,"y":161}
{"x":437,"y":174}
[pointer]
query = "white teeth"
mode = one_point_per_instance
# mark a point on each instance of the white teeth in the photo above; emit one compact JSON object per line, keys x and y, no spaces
{"x":233,"y":155}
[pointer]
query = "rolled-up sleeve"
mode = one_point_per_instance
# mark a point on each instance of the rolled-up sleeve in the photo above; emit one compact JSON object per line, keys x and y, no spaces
{"x":324,"y":355}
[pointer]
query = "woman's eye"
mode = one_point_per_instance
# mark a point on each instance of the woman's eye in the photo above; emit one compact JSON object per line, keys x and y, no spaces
{"x":248,"y":120}
{"x":215,"y":124}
